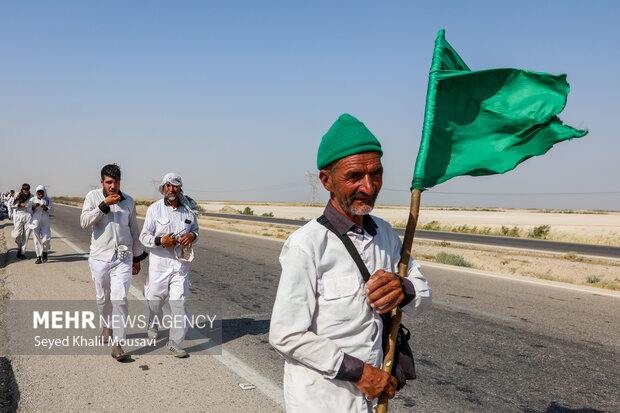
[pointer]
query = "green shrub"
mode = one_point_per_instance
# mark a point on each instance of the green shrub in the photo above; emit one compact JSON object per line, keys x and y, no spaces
{"x":540,"y":232}
{"x":593,"y":279}
{"x":510,"y":232}
{"x":453,"y":259}
{"x":432,"y":226}
{"x":267,"y":214}
{"x":246,"y":211}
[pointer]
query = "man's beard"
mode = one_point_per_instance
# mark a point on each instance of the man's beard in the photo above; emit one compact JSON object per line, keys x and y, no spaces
{"x":364,"y":209}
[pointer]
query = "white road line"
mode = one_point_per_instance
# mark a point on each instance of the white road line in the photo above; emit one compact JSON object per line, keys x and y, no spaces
{"x":237,"y":366}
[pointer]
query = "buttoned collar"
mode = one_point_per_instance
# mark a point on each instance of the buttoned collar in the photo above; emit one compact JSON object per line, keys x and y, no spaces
{"x":344,"y":224}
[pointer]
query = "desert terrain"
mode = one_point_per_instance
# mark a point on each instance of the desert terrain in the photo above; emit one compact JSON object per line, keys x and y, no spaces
{"x":594,"y":227}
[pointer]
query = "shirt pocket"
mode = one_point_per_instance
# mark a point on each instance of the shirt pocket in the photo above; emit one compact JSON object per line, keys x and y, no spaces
{"x":124,"y":217}
{"x":163,"y":225}
{"x":340,"y":286}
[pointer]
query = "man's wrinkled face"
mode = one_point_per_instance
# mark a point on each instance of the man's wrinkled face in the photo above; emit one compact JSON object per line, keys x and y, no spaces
{"x":25,"y":191}
{"x":110,"y":185}
{"x":354,"y":182}
{"x":171,"y":192}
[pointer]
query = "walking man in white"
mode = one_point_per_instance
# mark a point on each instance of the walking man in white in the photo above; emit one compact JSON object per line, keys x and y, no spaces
{"x":22,"y":213}
{"x":115,"y":253}
{"x":42,"y":207}
{"x":170,"y":228}
{"x":9,"y":204}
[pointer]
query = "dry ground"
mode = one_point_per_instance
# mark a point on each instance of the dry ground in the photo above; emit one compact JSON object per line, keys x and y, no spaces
{"x":582,"y":226}
{"x":589,"y":227}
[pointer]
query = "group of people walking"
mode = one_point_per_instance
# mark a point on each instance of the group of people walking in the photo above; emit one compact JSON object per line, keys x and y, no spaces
{"x":31,"y":215}
{"x":118,"y":246}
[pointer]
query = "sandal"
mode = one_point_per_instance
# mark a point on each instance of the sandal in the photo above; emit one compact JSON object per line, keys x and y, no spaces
{"x":118,"y":354}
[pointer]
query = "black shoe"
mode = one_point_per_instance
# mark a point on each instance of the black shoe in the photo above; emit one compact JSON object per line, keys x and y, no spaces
{"x":44,"y":257}
{"x":38,"y":261}
{"x":23,"y":257}
{"x":20,"y":255}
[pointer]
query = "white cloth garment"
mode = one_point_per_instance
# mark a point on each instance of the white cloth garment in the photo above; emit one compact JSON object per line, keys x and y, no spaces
{"x":9,"y":205}
{"x":174,"y":285}
{"x":320,"y":313}
{"x":168,"y":277}
{"x":40,"y":223}
{"x":112,"y":281}
{"x":117,"y":227}
{"x":21,"y":221}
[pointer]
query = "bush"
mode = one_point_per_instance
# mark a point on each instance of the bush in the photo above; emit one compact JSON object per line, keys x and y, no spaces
{"x":510,"y":232}
{"x":432,"y":226}
{"x":540,"y":232}
{"x":268,"y":214}
{"x":593,"y":279}
{"x":246,"y":211}
{"x":453,"y":259}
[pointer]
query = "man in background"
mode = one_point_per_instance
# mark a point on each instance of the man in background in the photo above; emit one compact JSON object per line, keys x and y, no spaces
{"x":22,"y":214}
{"x":42,"y":207}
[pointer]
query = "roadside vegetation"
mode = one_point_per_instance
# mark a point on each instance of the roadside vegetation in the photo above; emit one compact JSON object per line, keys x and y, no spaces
{"x":538,"y":232}
{"x":453,"y":259}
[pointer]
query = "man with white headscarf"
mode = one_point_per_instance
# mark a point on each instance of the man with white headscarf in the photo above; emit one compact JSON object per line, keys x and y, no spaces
{"x":42,"y":207}
{"x":22,"y":213}
{"x":9,"y":204}
{"x":170,"y":228}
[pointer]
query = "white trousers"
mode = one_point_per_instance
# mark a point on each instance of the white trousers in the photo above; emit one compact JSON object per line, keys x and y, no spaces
{"x":172,"y":284}
{"x":42,"y":236}
{"x":112,"y":282}
{"x":10,"y":210}
{"x":21,"y":232}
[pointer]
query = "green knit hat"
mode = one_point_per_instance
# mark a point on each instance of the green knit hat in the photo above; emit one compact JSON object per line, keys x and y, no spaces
{"x":347,"y":136}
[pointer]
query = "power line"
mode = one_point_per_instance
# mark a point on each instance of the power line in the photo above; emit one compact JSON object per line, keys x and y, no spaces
{"x":258,"y":188}
{"x":510,"y":193}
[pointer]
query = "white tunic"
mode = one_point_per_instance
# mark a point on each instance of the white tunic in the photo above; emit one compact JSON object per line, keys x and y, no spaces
{"x":320,"y":313}
{"x":161,"y":219}
{"x":117,"y":227}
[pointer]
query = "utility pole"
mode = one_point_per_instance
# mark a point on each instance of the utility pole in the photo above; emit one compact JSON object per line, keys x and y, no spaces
{"x":313,"y":180}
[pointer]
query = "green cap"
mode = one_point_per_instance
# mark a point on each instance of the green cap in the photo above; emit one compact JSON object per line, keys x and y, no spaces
{"x":347,"y":136}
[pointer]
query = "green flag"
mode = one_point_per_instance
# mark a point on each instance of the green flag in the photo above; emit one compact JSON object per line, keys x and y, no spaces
{"x":486,"y":122}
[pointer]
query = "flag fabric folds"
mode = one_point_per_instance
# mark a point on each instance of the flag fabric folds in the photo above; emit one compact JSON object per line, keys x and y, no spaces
{"x":486,"y":122}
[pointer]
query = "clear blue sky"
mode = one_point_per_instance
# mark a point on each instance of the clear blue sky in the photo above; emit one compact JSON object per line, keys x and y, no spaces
{"x":236,"y":95}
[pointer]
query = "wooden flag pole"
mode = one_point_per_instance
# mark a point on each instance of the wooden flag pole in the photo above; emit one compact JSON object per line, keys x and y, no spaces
{"x":397,"y":314}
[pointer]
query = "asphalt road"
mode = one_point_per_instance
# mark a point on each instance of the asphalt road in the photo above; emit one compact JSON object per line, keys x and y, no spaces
{"x":507,"y":242}
{"x":487,"y":344}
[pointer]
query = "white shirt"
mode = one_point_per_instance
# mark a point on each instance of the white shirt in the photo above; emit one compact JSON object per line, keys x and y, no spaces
{"x":162,"y":219}
{"x":320,"y":313}
{"x":117,"y":227}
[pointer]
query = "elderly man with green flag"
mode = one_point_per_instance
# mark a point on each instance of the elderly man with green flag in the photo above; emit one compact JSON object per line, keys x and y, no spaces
{"x":326,"y":319}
